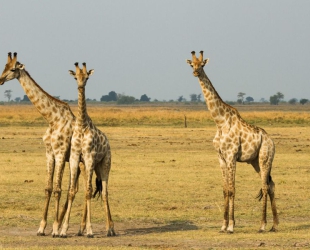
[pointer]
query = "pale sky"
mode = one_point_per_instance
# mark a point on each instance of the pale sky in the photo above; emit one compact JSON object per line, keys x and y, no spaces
{"x":140,"y":47}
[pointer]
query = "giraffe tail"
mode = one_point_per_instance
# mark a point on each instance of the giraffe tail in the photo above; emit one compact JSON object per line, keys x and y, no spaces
{"x":271,"y":188}
{"x":98,"y":188}
{"x":259,"y":195}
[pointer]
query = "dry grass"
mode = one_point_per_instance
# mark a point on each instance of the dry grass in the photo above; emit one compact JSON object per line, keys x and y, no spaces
{"x":165,"y":187}
{"x":169,"y":115}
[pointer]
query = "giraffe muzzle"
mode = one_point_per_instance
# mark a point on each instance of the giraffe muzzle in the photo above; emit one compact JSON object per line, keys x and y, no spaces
{"x":2,"y":80}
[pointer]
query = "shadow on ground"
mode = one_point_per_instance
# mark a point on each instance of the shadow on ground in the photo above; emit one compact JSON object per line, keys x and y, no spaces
{"x":172,"y":226}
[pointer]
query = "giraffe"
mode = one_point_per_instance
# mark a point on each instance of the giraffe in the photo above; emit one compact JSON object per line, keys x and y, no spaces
{"x":237,"y":141}
{"x":57,"y":137}
{"x":92,"y":147}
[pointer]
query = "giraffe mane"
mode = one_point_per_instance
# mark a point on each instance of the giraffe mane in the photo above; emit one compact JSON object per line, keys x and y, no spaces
{"x":47,"y":94}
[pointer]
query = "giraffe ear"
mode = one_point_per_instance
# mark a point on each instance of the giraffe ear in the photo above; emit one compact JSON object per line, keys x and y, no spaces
{"x":20,"y":66}
{"x":205,"y":62}
{"x":189,"y":62}
{"x":71,"y":72}
{"x":90,"y":72}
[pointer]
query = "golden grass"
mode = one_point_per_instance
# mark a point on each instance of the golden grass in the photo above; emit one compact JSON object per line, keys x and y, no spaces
{"x":165,"y":188}
{"x":169,"y":115}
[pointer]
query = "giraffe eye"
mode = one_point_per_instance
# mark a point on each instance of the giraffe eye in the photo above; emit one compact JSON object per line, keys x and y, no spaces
{"x":13,"y":70}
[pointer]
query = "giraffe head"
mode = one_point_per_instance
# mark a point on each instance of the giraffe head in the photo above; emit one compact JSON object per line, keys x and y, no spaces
{"x":197,"y":63}
{"x":12,"y":69}
{"x":81,"y":75}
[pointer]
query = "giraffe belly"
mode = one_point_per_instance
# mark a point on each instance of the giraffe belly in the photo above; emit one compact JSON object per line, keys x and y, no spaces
{"x":247,"y":156}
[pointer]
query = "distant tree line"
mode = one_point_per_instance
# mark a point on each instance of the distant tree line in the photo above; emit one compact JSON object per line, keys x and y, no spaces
{"x":112,"y":96}
{"x":123,"y":99}
{"x":273,"y":100}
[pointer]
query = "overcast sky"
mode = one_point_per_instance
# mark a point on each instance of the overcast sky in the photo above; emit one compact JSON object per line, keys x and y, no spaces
{"x":140,"y":47}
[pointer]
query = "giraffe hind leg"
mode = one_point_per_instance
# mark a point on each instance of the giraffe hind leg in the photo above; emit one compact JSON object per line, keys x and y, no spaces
{"x":104,"y":197}
{"x":48,"y":189}
{"x":102,"y":172}
{"x":271,"y":191}
{"x":264,"y":191}
{"x":263,"y":195}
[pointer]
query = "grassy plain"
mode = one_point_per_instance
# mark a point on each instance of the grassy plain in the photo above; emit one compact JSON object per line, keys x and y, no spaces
{"x":165,"y":186}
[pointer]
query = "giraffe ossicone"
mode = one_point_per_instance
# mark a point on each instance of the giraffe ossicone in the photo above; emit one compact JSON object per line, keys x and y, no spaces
{"x":237,"y":141}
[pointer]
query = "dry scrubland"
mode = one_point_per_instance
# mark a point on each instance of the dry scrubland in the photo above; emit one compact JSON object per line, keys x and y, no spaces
{"x":165,"y":183}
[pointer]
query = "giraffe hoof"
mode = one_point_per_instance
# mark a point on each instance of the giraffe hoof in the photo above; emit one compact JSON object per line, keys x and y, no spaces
{"x":90,"y":236}
{"x":40,"y":234}
{"x":111,"y":233}
{"x":230,"y":232}
{"x":79,"y":233}
{"x":63,"y":236}
{"x":273,"y":230}
{"x":222,"y":231}
{"x":55,"y":236}
{"x":261,"y":231}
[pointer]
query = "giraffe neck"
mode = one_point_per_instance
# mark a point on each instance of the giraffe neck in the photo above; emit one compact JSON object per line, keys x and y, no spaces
{"x":49,"y":107}
{"x":82,"y":119}
{"x":217,"y":107}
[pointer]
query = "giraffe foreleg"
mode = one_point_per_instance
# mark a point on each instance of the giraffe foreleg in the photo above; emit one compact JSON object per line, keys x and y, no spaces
{"x":231,"y":194}
{"x":65,"y":206}
{"x":225,"y":193}
{"x":60,"y":163}
{"x":74,"y":175}
{"x":48,"y":190}
{"x":84,"y":213}
{"x":89,"y":168}
{"x":226,"y":209}
{"x":83,"y":221}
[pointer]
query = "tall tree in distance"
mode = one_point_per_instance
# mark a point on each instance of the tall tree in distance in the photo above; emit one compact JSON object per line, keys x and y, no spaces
{"x":280,"y":96}
{"x":275,"y":99}
{"x":111,"y":97}
{"x":199,"y":97}
{"x":240,"y":97}
{"x":193,"y":97}
{"x":293,"y":101}
{"x":8,"y":94}
{"x":249,"y":99}
{"x":124,"y":99}
{"x":303,"y":101}
{"x":144,"y":98}
{"x":180,"y":99}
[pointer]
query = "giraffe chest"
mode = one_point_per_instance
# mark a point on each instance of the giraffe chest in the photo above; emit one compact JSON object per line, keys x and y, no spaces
{"x":58,"y":139}
{"x":90,"y":144}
